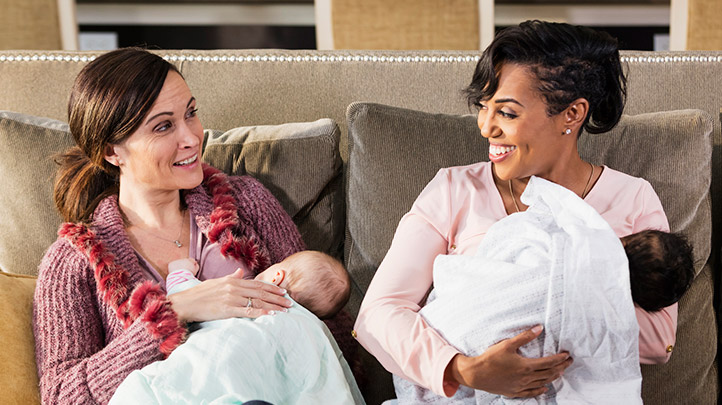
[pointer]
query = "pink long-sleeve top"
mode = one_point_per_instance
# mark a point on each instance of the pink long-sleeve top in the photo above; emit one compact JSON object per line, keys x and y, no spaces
{"x":451,"y":216}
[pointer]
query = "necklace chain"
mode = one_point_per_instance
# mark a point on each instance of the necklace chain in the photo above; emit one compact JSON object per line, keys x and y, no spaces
{"x":177,"y":241}
{"x":512,"y":197}
{"x":584,"y":193}
{"x":589,"y":180}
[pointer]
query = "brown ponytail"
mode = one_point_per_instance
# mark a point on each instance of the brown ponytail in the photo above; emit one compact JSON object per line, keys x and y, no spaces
{"x":80,"y":185}
{"x":109,"y":100}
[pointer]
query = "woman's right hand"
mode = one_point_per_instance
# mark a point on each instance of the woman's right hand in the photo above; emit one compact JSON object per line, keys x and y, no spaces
{"x":228,"y":297}
{"x":502,"y":370}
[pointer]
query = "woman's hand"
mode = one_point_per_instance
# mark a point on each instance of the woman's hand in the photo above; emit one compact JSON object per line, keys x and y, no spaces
{"x":501,"y":370}
{"x":228,"y":297}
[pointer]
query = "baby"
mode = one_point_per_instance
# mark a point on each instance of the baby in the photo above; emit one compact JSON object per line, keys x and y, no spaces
{"x":661,"y":267}
{"x":286,"y":358}
{"x":558,"y":264}
{"x":313,"y":279}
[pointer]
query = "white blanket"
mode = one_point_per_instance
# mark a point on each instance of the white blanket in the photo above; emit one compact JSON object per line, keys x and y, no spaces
{"x":558,"y":264}
{"x":288,"y":358}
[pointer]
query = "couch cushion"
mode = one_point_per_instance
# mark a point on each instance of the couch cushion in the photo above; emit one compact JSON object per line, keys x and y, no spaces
{"x":394,"y":152}
{"x":299,"y":163}
{"x":27,"y":146}
{"x":18,"y":374}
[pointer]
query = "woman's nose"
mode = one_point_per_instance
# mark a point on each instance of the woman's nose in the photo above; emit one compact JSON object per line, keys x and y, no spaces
{"x":486,"y":124}
{"x":188,"y":137}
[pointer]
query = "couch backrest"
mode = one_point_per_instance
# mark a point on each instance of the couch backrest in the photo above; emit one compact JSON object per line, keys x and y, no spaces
{"x":252,"y":87}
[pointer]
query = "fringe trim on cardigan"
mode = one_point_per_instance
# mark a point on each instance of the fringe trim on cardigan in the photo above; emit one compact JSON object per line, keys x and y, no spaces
{"x":225,"y":220}
{"x":148,"y":300}
{"x":112,"y":280}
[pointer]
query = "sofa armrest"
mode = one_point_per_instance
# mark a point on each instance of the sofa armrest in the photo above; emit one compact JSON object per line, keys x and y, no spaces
{"x":18,"y":373}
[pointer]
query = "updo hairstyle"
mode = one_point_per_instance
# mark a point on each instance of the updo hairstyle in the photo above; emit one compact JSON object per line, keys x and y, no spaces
{"x":569,"y":62}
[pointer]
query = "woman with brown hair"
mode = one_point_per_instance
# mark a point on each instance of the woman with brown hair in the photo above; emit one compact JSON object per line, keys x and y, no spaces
{"x":135,"y":197}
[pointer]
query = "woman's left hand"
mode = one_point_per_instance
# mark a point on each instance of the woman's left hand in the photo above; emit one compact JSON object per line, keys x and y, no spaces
{"x":502,"y":370}
{"x":228,"y":297}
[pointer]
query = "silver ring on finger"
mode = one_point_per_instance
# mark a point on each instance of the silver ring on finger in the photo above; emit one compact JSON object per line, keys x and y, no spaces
{"x":250,"y":303}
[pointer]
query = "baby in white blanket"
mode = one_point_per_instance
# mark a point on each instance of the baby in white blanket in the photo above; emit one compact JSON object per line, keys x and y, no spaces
{"x":558,"y":264}
{"x":287,"y":358}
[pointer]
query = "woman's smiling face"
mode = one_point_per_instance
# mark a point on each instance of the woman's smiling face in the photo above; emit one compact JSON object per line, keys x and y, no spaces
{"x":523,"y":139}
{"x":163,"y":154}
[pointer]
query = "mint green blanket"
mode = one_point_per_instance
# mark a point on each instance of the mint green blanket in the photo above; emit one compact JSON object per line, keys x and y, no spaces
{"x":288,"y":358}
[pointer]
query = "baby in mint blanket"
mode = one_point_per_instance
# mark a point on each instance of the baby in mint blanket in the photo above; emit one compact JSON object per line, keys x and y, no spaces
{"x":287,"y":358}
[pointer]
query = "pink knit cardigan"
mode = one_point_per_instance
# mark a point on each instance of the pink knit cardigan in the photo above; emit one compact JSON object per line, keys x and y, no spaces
{"x":96,"y":316}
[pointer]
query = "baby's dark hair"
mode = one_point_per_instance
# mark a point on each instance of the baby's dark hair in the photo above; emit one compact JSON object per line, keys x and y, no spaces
{"x":324,"y":289}
{"x":568,"y":61}
{"x":661,"y":267}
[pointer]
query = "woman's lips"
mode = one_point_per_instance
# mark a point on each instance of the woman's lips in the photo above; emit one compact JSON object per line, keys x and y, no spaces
{"x":187,"y":163}
{"x":498,"y":153}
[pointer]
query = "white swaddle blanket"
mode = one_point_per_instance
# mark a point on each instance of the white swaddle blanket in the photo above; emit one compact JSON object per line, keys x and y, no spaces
{"x":558,"y":264}
{"x":288,"y":358}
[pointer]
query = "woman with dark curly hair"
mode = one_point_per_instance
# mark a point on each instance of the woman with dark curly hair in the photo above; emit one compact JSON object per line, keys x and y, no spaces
{"x":537,"y":86}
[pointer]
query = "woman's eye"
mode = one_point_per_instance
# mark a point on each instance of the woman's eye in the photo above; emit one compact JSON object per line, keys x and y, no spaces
{"x":192,"y":113}
{"x":162,"y":127}
{"x":507,"y":115}
{"x":480,"y":105}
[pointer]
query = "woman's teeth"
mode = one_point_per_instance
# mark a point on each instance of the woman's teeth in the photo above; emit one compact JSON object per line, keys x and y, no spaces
{"x":497,"y":150}
{"x":187,"y":161}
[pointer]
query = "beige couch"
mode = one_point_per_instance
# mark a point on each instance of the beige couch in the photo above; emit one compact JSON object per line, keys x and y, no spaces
{"x":346,"y":180}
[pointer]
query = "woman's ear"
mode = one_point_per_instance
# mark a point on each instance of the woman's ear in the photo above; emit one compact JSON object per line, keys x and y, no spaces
{"x":111,"y":156}
{"x":576,"y":113}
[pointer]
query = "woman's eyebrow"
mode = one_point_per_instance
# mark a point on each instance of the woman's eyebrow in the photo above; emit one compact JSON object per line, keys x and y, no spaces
{"x":168,"y":112}
{"x":508,"y":100}
{"x":156,"y":116}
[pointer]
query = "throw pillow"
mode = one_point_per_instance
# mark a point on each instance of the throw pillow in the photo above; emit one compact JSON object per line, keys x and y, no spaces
{"x":18,"y":374}
{"x":393,"y":153}
{"x":300,"y":164}
{"x":29,"y":221}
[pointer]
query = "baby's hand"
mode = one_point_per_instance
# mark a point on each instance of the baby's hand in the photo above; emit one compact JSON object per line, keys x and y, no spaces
{"x":183,"y":264}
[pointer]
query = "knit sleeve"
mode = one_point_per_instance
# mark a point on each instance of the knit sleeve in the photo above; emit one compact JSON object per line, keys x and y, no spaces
{"x":273,"y":225}
{"x":83,"y":352}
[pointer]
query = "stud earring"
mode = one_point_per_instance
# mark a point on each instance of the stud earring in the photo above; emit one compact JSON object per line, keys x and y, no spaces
{"x":568,"y":131}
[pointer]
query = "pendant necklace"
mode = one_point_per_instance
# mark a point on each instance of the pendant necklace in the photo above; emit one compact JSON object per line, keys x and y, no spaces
{"x":584,"y":193}
{"x":177,"y":241}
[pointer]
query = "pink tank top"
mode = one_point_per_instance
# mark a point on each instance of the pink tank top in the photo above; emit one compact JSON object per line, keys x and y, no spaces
{"x":207,"y":254}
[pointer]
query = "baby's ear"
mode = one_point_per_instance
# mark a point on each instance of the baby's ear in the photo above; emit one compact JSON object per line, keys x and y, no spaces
{"x":278,"y":277}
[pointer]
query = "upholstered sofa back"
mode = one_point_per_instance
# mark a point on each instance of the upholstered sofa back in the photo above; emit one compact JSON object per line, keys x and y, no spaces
{"x":389,"y":153}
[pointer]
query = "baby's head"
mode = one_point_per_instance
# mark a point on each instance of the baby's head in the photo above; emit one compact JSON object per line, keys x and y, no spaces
{"x":315,"y":280}
{"x":661,"y":267}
